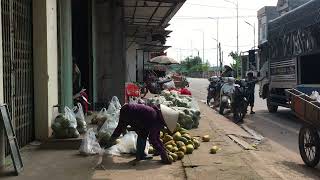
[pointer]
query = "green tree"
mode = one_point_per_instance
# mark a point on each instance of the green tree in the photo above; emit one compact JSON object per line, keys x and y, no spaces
{"x":236,"y":64}
{"x":191,"y":64}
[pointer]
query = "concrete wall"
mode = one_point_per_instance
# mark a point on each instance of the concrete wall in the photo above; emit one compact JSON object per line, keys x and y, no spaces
{"x":2,"y":139}
{"x":102,"y":36}
{"x":119,"y":70}
{"x":132,"y":63}
{"x":109,"y":52}
{"x":45,"y":65}
{"x":140,"y":65}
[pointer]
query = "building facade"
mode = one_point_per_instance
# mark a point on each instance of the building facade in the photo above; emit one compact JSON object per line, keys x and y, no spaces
{"x":267,"y":14}
{"x":42,"y":39}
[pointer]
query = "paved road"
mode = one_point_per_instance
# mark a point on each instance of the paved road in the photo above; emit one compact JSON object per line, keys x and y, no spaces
{"x":280,"y":130}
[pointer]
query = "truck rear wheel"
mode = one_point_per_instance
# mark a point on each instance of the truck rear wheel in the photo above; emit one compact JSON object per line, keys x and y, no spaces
{"x":271,"y":108}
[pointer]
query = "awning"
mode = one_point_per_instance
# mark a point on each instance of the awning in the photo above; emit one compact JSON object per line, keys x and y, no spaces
{"x":146,"y":34}
{"x":153,"y":48}
{"x":151,"y":12}
{"x":147,"y":19}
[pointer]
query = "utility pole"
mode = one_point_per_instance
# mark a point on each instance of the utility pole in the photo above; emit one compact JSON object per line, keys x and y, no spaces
{"x":220,"y":57}
{"x":203,"y":46}
{"x":237,"y":7}
{"x":191,"y":49}
{"x":217,"y":43}
{"x":217,"y":39}
{"x":237,"y":35}
{"x":237,"y":26}
{"x":254,"y":34}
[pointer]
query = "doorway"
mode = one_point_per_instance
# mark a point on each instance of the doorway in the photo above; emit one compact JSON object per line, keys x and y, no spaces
{"x":82,"y":42}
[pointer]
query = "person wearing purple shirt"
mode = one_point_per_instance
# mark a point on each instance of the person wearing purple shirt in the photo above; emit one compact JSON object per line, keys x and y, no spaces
{"x":146,"y":121}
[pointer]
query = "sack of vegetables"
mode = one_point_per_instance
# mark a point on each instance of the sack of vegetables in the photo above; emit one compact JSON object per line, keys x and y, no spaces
{"x":65,"y":125}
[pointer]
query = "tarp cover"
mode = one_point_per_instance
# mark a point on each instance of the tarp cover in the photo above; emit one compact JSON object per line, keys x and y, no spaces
{"x":295,"y":33}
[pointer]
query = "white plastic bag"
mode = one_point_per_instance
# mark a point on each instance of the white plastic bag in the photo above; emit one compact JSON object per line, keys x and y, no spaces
{"x":65,"y":125}
{"x":89,"y":144}
{"x":79,"y":114}
{"x":81,"y":121}
{"x":115,"y":101}
{"x":315,"y":95}
{"x":109,"y":125}
{"x":102,"y":113}
{"x":127,"y":145}
{"x":111,"y":109}
{"x":68,"y":113}
{"x":169,"y":85}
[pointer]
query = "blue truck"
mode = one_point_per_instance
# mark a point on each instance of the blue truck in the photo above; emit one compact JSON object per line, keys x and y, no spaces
{"x":293,"y":55}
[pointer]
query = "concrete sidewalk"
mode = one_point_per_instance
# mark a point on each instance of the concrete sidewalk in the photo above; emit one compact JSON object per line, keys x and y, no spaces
{"x":231,"y":162}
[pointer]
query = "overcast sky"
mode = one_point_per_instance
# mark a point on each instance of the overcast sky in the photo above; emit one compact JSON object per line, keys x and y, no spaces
{"x":191,"y":20}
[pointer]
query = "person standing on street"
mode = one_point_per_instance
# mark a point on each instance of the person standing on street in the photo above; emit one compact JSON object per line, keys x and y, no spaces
{"x":251,"y":83}
{"x":146,"y":121}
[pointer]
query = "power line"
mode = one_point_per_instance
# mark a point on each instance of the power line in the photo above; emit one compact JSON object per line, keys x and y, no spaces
{"x":236,"y":46}
{"x":222,"y":7}
{"x":221,"y":17}
{"x":189,"y":49}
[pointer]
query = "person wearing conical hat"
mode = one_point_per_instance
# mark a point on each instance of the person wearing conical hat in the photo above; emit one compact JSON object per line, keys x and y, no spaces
{"x":228,"y":71}
{"x":147,"y":122}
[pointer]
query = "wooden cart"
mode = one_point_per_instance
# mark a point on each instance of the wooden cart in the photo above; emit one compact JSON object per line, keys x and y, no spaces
{"x":307,"y":110}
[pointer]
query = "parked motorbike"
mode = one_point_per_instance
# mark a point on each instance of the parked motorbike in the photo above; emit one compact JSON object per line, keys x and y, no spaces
{"x":226,"y":95}
{"x":213,"y":91}
{"x":82,"y":98}
{"x":240,"y":102}
{"x":233,"y":97}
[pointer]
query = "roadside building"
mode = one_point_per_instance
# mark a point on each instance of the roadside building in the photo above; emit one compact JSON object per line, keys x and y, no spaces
{"x":40,"y":39}
{"x":267,"y":14}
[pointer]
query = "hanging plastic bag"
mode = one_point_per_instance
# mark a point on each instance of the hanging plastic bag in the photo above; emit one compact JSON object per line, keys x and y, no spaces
{"x":81,"y":121}
{"x":127,"y":145}
{"x":89,"y":144}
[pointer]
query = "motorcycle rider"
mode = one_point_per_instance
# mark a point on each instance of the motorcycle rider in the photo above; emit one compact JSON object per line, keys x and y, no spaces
{"x":228,"y":71}
{"x":212,"y":88}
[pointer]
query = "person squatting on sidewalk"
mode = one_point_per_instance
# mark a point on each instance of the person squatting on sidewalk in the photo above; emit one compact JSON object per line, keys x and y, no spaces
{"x":146,"y":121}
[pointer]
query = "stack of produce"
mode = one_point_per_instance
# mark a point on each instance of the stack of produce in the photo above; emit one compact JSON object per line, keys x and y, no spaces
{"x":179,"y":144}
{"x":189,"y":111}
{"x":188,"y":118}
{"x":64,"y":128}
